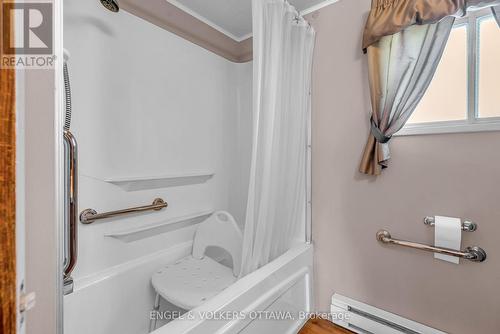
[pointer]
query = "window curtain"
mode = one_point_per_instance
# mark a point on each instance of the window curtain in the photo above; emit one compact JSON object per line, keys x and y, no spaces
{"x":276,"y":210}
{"x":401,"y":67}
{"x":405,"y":40}
{"x":388,"y":17}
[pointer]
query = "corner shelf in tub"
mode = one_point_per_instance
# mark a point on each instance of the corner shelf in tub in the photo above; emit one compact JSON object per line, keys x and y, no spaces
{"x":160,"y":181}
{"x":153,"y":229}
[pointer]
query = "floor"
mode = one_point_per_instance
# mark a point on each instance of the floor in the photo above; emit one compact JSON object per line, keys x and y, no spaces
{"x":320,"y":326}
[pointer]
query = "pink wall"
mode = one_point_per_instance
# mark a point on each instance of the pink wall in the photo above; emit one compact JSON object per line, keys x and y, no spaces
{"x":453,"y":174}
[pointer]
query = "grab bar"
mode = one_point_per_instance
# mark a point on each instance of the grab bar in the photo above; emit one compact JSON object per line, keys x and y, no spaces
{"x":89,"y":216}
{"x":474,"y":254}
{"x":72,"y":228}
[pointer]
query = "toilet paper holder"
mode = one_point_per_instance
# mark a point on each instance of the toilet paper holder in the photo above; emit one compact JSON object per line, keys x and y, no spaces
{"x":466,"y":226}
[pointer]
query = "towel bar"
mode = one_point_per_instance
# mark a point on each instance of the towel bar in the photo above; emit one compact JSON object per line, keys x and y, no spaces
{"x":474,"y":254}
{"x":89,"y":216}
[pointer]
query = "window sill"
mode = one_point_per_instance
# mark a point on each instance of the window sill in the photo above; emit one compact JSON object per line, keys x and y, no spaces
{"x":449,"y":127}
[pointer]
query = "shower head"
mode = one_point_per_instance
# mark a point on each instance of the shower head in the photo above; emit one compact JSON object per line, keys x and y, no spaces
{"x":112,"y":5}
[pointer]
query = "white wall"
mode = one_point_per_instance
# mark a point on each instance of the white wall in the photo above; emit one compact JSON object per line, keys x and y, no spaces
{"x":148,"y":103}
{"x":37,"y":101}
{"x":41,"y":228}
{"x":145,"y":103}
{"x":242,"y":143}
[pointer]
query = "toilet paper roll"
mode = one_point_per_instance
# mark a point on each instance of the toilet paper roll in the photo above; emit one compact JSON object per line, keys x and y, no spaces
{"x":448,"y":234}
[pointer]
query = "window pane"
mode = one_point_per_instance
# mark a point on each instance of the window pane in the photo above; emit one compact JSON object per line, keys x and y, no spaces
{"x":489,"y":68}
{"x":446,"y":97}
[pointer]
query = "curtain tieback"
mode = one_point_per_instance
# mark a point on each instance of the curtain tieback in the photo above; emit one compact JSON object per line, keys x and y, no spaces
{"x":379,"y":136}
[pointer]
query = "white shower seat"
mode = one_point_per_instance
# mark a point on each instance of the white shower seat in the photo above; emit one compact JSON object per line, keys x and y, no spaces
{"x":190,"y":282}
{"x":196,"y":278}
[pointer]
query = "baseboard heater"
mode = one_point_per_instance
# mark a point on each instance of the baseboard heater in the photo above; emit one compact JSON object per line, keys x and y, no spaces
{"x":365,"y":319}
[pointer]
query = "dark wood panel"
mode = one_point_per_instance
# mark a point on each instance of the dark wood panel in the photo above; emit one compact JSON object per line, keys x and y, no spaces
{"x":7,"y":195}
{"x":321,"y":326}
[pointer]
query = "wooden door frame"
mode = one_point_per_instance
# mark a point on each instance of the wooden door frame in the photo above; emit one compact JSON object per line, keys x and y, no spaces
{"x":8,"y":301}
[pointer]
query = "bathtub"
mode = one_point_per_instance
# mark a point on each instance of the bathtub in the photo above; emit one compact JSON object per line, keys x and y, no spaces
{"x":273,"y":299}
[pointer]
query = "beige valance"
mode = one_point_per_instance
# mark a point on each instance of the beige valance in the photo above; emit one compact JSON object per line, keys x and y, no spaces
{"x":388,"y":17}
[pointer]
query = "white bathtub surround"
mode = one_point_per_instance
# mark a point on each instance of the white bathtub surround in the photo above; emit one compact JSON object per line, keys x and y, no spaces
{"x":160,"y":181}
{"x":152,"y":229}
{"x":154,"y":116}
{"x":157,"y":116}
{"x":276,"y":209}
{"x":117,"y":300}
{"x":150,"y":110}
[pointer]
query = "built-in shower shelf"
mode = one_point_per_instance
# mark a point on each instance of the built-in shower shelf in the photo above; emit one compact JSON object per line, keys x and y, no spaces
{"x":153,"y":229}
{"x":161,"y":181}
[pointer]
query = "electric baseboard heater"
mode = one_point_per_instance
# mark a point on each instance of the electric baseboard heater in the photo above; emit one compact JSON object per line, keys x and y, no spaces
{"x":365,"y":319}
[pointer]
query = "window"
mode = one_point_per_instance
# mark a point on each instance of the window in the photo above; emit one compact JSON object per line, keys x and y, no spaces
{"x":464,"y":94}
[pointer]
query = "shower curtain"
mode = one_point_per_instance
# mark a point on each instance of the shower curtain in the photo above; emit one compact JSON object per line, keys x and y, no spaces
{"x":283,"y":45}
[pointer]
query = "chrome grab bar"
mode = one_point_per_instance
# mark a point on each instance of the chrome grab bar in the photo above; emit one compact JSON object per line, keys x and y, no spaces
{"x":474,"y":254}
{"x":72,"y":227}
{"x":89,"y":216}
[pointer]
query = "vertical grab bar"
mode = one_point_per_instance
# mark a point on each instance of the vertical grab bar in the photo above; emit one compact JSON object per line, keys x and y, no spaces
{"x":71,"y":228}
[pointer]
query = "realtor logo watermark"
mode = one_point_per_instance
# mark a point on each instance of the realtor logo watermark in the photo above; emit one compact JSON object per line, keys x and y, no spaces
{"x":29,"y":45}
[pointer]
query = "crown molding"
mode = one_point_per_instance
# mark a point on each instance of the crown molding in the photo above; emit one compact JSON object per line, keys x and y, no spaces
{"x":176,"y":18}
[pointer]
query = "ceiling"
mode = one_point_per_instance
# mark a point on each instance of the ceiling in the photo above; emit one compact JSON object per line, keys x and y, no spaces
{"x":234,"y":17}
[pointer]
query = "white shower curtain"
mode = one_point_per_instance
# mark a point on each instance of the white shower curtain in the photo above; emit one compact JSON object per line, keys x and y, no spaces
{"x":283,"y":45}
